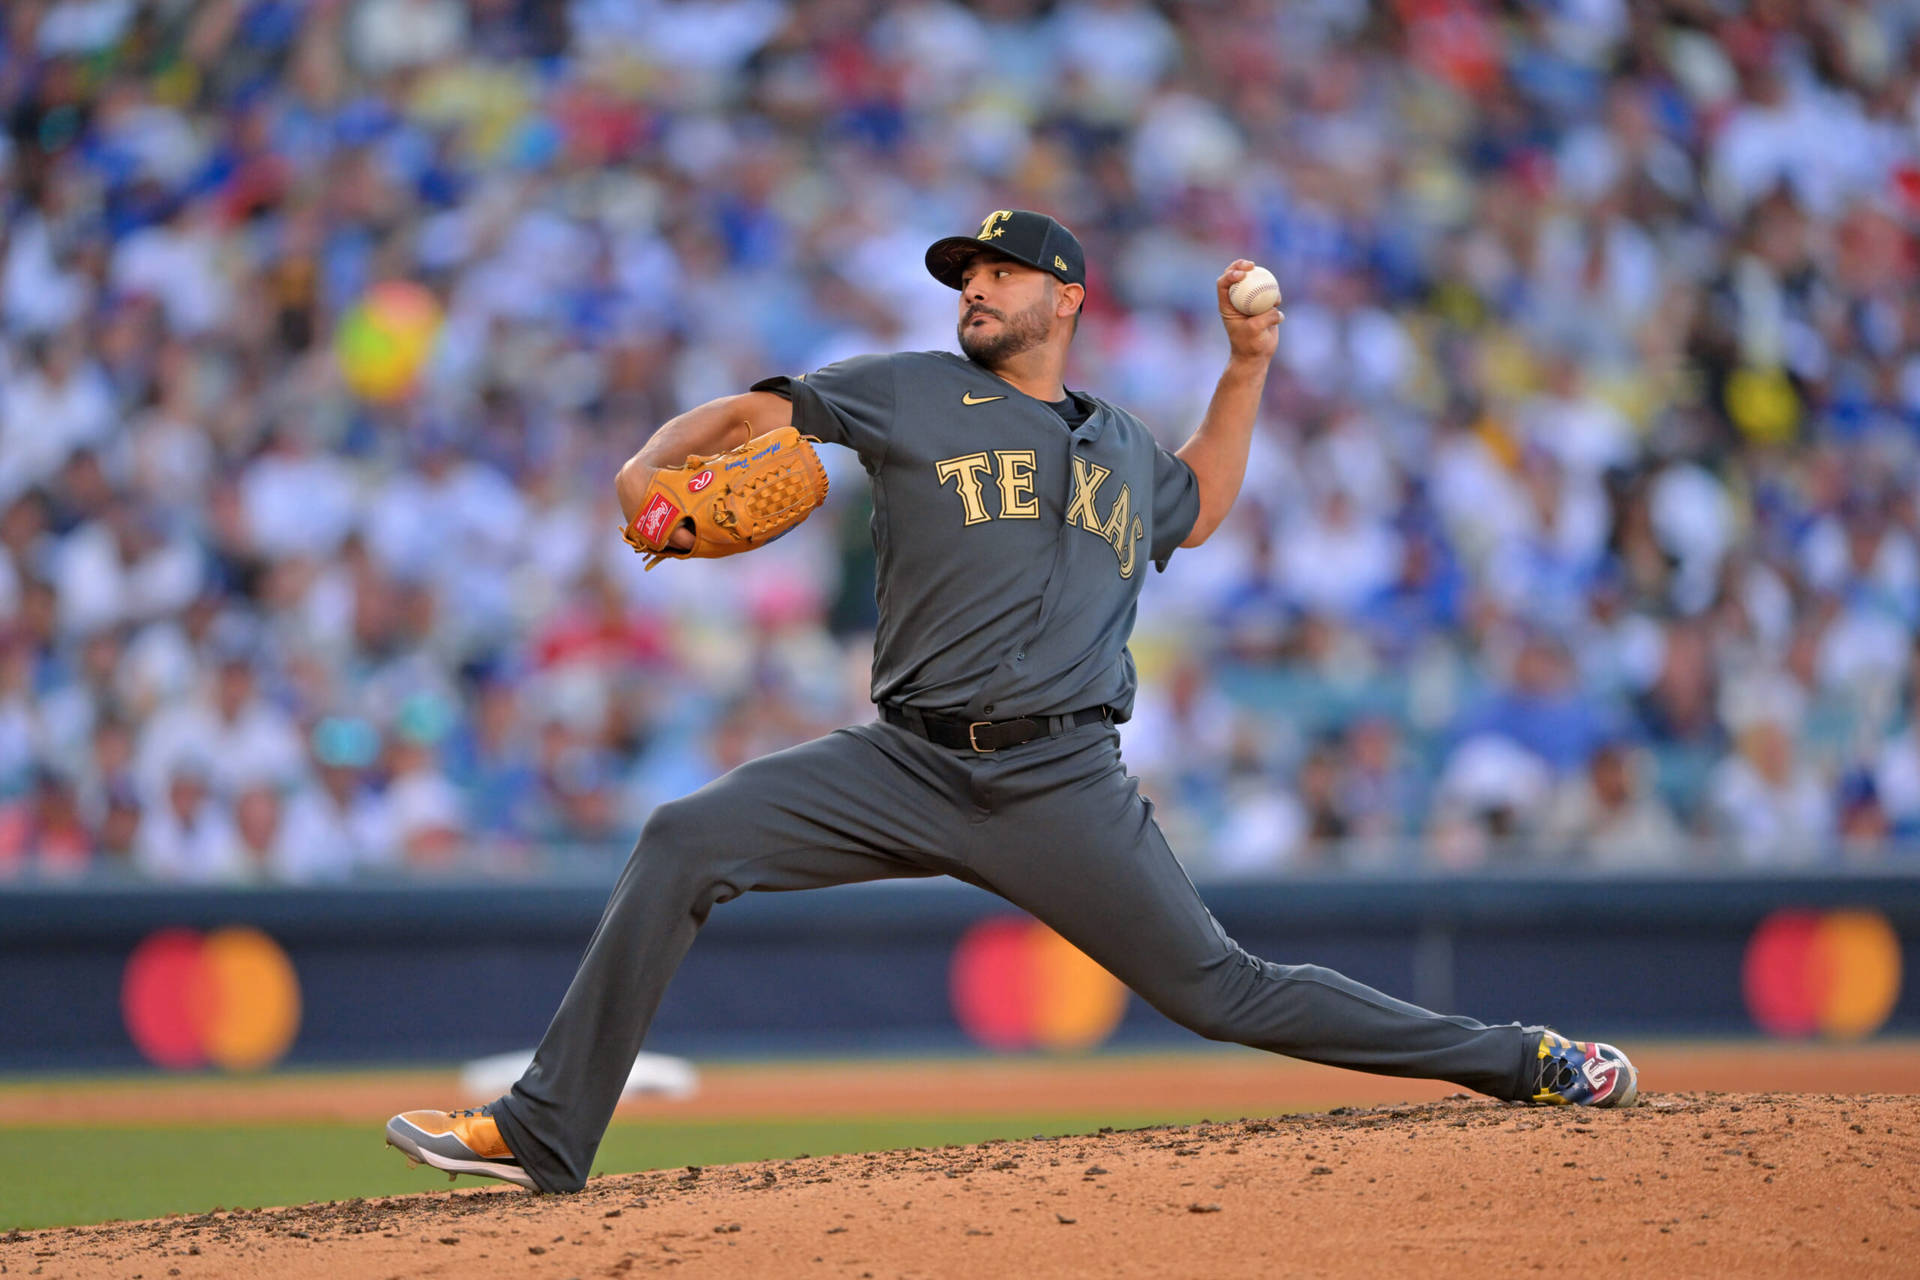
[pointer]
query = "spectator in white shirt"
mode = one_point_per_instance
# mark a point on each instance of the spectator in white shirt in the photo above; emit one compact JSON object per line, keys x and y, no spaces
{"x":259,"y":833}
{"x":1608,"y":816}
{"x":1896,"y":774}
{"x":1766,"y":804}
{"x":181,"y":264}
{"x":1337,"y":558}
{"x":187,"y":836}
{"x":339,"y":823}
{"x":124,"y":568}
{"x":428,"y":812}
{"x":240,"y":733}
{"x":53,"y":402}
{"x":297,"y":502}
{"x":396,"y":35}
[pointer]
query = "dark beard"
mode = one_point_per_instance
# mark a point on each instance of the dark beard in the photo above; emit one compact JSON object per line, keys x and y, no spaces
{"x":1018,"y":334}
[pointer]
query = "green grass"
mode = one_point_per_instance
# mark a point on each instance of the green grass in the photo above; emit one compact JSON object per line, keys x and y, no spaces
{"x":57,"y":1176}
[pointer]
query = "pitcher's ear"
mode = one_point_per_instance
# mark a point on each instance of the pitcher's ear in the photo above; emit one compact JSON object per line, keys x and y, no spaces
{"x":1072,"y":298}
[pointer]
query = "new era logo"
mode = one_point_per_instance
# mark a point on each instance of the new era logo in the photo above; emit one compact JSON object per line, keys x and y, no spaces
{"x":660,"y":514}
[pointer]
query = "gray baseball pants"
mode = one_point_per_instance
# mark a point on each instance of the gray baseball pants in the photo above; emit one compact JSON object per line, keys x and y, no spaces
{"x":1054,"y":826}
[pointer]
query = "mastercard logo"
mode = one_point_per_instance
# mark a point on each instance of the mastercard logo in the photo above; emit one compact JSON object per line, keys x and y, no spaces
{"x":228,"y":999}
{"x":1828,"y":973}
{"x":1016,"y":984}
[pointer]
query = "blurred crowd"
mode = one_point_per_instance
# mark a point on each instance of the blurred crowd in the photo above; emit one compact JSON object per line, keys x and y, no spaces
{"x":1580,"y":530}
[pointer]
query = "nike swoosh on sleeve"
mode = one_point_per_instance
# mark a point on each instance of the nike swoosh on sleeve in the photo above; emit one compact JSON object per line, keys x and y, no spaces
{"x":968,"y":398}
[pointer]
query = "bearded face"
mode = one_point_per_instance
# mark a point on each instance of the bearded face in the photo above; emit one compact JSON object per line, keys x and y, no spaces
{"x":992,"y":345}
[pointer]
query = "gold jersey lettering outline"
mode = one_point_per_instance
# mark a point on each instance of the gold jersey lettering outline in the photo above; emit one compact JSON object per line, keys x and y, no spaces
{"x":965,"y":472}
{"x":1121,"y":528}
{"x":1087,"y":478}
{"x":1015,"y":475}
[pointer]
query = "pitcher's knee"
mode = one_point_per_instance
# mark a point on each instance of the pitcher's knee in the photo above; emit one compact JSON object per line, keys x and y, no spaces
{"x":669,"y":826}
{"x":679,"y":838}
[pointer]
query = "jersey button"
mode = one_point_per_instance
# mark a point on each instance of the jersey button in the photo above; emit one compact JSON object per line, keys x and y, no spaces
{"x":1020,"y":657}
{"x":988,"y":708}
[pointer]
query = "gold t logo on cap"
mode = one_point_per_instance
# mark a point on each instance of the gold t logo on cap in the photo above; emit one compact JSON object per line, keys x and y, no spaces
{"x":991,"y":226}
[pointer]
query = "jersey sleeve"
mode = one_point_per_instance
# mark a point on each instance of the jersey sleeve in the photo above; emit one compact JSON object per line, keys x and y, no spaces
{"x":1176,"y":505}
{"x":850,"y":403}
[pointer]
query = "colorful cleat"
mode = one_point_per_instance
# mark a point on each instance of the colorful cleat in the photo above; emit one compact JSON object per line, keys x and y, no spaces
{"x":1583,"y":1073}
{"x":457,"y":1142}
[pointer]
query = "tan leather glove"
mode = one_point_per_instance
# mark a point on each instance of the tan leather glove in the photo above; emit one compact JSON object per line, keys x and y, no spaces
{"x":733,"y":501}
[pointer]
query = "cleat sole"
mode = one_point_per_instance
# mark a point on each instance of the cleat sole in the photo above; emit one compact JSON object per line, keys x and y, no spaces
{"x":401,"y":1140}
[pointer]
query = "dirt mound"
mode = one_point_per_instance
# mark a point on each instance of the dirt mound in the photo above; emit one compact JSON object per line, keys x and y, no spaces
{"x":1746,"y":1184}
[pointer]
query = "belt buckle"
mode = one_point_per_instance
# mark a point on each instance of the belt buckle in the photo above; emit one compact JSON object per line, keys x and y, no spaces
{"x":973,"y":736}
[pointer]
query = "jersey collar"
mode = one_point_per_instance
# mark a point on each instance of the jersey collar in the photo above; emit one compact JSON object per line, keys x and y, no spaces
{"x":1096,"y":422}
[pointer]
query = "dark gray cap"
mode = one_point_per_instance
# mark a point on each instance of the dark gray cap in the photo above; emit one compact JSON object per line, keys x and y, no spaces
{"x":1020,"y":234}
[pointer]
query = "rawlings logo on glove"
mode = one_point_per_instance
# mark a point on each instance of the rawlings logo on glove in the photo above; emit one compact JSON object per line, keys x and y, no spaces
{"x":733,"y":501}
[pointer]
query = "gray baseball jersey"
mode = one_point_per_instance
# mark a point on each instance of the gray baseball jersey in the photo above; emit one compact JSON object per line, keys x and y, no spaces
{"x":1010,"y":548}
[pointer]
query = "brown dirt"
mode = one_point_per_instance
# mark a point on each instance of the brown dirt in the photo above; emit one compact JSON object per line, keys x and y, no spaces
{"x":1226,"y":1082}
{"x":1687,"y":1183}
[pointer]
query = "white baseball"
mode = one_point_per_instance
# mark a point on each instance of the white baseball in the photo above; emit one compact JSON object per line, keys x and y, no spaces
{"x":1255,"y":292}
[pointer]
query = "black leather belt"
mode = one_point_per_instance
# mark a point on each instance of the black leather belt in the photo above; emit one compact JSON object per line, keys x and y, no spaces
{"x":958,"y":732}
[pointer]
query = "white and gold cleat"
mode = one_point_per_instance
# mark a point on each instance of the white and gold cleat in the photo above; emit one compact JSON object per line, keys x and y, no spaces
{"x":457,"y":1142}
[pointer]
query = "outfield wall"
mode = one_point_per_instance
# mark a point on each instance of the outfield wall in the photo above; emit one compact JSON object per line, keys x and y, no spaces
{"x":122,"y":978}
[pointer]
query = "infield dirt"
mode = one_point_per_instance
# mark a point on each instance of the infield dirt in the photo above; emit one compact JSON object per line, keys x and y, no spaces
{"x":1686,"y":1183}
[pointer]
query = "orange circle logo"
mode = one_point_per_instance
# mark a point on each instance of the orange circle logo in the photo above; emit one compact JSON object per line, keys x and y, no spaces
{"x":1016,"y":984}
{"x":1830,"y":973}
{"x":229,"y":998}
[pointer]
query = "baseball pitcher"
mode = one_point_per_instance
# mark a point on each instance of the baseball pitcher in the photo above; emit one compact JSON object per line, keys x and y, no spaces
{"x":1013,"y":521}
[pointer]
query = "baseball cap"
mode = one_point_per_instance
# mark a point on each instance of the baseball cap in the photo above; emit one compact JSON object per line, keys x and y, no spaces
{"x":1020,"y":234}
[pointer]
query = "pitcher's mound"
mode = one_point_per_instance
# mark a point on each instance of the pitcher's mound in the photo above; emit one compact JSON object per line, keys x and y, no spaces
{"x":1689,"y":1183}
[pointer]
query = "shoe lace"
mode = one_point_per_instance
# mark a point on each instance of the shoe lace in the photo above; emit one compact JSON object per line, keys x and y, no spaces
{"x":1556,"y":1074}
{"x":470,"y":1111}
